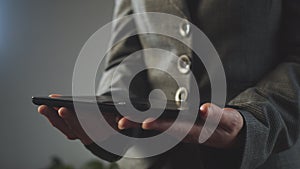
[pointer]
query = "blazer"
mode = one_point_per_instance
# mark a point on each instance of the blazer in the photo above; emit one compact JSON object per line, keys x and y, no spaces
{"x":258,"y":42}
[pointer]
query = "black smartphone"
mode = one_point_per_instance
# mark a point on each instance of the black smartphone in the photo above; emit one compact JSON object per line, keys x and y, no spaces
{"x":107,"y":104}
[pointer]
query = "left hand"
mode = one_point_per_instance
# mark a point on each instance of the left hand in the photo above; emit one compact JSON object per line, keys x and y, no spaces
{"x":225,"y":135}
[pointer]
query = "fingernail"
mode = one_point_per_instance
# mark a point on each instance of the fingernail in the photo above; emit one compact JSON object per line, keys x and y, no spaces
{"x":51,"y":95}
{"x":62,"y":112}
{"x":42,"y":109}
{"x":203,"y":110}
{"x":121,"y":125}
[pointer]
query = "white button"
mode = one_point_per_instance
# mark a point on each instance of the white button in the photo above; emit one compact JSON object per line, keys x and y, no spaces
{"x":184,"y":64}
{"x":181,"y":94}
{"x":185,"y":29}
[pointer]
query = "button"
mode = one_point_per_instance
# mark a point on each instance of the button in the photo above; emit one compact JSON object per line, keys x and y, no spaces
{"x":181,"y":94}
{"x":185,"y":29}
{"x":184,"y":64}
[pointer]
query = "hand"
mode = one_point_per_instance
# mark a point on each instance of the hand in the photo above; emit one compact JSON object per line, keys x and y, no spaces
{"x":225,"y":135}
{"x":66,"y":121}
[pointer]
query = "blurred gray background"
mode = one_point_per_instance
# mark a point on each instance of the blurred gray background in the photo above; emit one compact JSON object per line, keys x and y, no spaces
{"x":39,"y":44}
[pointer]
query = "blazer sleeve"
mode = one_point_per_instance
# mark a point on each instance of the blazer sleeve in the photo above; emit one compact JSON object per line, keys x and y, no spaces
{"x":121,"y":47}
{"x":271,"y":108}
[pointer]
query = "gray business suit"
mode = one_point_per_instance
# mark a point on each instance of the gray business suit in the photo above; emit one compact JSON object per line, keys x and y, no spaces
{"x":259,"y":44}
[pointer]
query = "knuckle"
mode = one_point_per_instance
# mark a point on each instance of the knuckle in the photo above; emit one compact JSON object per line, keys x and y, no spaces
{"x":64,"y":114}
{"x":236,"y":123}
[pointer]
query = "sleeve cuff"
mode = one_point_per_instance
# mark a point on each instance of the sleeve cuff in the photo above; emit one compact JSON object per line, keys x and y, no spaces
{"x":253,"y":140}
{"x":101,"y":153}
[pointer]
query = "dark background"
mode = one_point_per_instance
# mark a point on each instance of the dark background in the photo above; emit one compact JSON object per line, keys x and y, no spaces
{"x":39,"y":43}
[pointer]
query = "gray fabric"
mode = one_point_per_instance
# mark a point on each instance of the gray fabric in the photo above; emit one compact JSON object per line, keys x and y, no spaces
{"x":259,"y":44}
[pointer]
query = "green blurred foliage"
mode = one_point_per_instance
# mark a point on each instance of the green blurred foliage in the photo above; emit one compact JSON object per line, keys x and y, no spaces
{"x":93,"y":164}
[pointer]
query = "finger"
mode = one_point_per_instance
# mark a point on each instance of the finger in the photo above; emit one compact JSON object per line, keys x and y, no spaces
{"x":232,"y":120}
{"x":215,"y":114}
{"x":163,"y":125}
{"x":228,"y":118}
{"x":72,"y":122}
{"x":178,"y":130}
{"x":155,"y":124}
{"x":205,"y":109}
{"x":54,"y":95}
{"x":56,"y":121}
{"x":124,"y":123}
{"x":69,"y":118}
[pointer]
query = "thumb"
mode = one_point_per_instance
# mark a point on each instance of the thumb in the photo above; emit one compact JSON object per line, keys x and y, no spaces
{"x":209,"y":109}
{"x":54,"y":95}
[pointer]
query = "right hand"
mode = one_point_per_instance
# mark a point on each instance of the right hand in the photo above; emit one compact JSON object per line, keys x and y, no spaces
{"x":66,"y":121}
